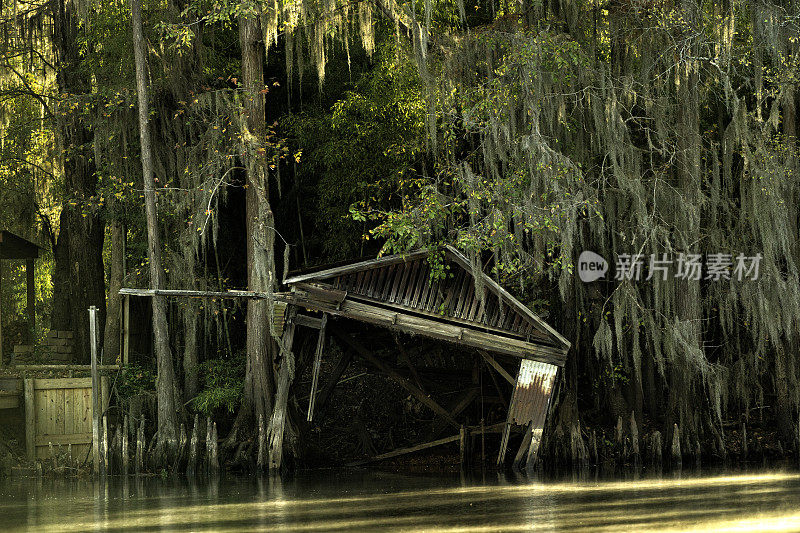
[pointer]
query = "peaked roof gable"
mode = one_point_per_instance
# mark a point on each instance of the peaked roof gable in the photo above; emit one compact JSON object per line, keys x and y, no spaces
{"x":405,"y":280}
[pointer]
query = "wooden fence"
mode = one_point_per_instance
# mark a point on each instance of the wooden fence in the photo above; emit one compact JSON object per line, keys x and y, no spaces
{"x":59,"y":412}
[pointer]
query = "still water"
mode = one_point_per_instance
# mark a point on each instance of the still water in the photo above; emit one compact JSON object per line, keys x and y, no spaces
{"x":365,"y":501}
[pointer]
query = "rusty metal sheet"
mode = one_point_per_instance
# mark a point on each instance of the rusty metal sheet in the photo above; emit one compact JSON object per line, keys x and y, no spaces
{"x":531,"y":396}
{"x":529,"y":404}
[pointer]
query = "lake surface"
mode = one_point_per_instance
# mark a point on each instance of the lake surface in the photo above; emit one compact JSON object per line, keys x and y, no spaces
{"x":364,"y":501}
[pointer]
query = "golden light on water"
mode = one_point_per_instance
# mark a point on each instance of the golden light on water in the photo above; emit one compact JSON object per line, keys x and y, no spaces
{"x":763,"y":502}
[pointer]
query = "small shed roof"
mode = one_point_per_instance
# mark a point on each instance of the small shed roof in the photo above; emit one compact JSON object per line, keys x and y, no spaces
{"x":497,"y":321}
{"x":14,"y":247}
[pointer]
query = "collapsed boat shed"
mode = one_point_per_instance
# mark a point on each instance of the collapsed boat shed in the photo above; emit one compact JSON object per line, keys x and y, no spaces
{"x":402,"y":293}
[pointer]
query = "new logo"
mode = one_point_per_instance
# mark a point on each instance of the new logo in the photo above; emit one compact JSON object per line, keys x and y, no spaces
{"x":591,"y":266}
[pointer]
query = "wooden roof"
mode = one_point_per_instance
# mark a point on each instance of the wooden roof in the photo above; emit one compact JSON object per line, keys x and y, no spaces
{"x":14,"y":247}
{"x":371,"y":289}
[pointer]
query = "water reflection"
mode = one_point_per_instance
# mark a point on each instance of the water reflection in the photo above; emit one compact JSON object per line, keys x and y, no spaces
{"x":379,"y":500}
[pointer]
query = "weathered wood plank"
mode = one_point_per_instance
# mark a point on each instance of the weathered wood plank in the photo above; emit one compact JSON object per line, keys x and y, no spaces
{"x":62,"y":383}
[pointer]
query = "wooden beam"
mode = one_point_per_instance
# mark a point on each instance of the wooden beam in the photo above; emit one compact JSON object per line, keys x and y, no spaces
{"x":500,"y":370}
{"x":30,"y":290}
{"x":308,"y":321}
{"x":392,"y":373}
{"x":62,"y":383}
{"x":411,"y":449}
{"x":180,"y":293}
{"x":317,"y":364}
{"x":357,"y":267}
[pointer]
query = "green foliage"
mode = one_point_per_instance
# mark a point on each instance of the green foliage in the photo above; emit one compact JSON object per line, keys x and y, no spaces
{"x":223,"y":381}
{"x":134,"y":380}
{"x":360,"y":155}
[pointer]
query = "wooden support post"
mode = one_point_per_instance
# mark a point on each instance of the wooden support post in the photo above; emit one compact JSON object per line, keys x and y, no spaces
{"x":126,"y":329}
{"x":392,"y":373}
{"x":279,"y":412}
{"x":317,"y":365}
{"x":30,"y":289}
{"x":30,"y":420}
{"x":96,"y":390}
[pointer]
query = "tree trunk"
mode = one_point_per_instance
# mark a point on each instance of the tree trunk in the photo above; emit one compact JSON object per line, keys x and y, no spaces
{"x":83,"y":223}
{"x":111,"y":340}
{"x":61,"y":317}
{"x":167,"y":420}
{"x":261,"y":347}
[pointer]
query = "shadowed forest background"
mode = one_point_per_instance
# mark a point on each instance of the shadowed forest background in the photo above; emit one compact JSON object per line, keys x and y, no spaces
{"x":288,"y":134}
